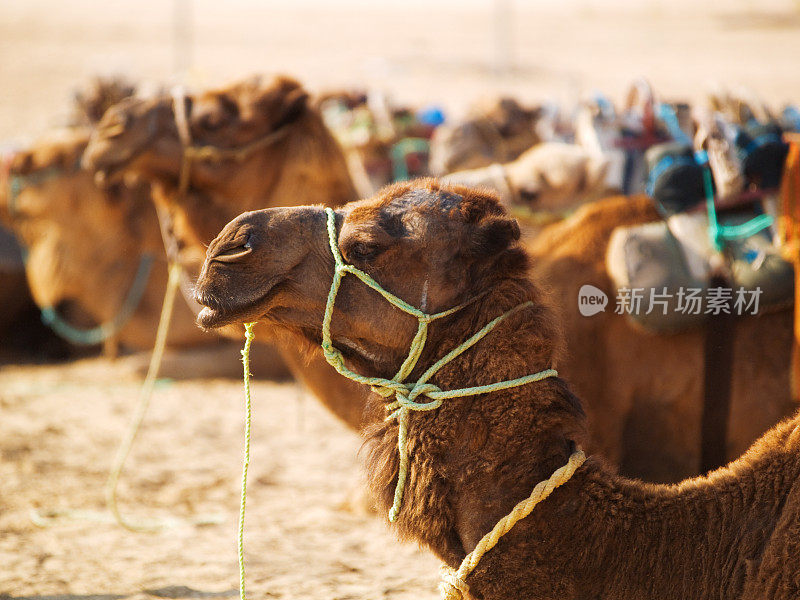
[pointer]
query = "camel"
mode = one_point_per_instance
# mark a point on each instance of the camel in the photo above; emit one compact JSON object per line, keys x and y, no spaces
{"x":654,"y":380}
{"x":493,"y":132}
{"x":85,"y":245}
{"x":88,"y":248}
{"x":95,"y":97}
{"x":640,"y":387}
{"x":548,"y":181}
{"x":90,"y":101}
{"x":301,"y":163}
{"x":731,"y":534}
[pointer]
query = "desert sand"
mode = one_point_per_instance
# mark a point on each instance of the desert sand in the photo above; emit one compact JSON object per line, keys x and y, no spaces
{"x":60,"y":423}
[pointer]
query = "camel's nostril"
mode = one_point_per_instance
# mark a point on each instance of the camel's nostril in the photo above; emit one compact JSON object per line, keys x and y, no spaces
{"x":235,"y":250}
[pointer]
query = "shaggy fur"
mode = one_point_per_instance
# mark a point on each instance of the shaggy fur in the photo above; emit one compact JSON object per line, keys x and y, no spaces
{"x":306,"y":165}
{"x":731,"y":535}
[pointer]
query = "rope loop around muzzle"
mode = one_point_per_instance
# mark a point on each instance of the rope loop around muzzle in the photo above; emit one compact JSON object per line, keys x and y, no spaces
{"x":401,"y":397}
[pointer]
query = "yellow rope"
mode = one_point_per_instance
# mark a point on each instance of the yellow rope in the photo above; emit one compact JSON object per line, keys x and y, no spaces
{"x":44,"y":519}
{"x":145,"y":395}
{"x":454,"y":585}
{"x":405,"y":394}
{"x":248,"y":340}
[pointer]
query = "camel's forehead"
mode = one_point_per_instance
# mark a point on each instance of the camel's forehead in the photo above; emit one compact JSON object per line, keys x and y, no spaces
{"x":425,"y":199}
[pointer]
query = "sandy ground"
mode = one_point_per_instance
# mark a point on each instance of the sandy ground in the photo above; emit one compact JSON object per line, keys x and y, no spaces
{"x":60,"y":424}
{"x":60,"y":427}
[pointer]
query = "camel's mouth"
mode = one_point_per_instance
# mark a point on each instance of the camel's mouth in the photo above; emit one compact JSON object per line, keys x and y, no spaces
{"x":217,"y":312}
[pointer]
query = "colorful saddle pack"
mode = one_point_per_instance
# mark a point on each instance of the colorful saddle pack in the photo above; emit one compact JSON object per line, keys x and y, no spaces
{"x":663,"y":270}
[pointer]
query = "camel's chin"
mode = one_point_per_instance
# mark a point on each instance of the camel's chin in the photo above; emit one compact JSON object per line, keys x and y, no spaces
{"x":210,"y":318}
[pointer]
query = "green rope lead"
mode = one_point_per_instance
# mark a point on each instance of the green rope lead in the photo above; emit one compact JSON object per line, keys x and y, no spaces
{"x":248,"y":340}
{"x":405,"y":394}
{"x":719,"y":234}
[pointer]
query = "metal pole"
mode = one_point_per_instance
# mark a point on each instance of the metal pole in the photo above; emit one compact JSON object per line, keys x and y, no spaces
{"x":503,"y":36}
{"x":182,"y":36}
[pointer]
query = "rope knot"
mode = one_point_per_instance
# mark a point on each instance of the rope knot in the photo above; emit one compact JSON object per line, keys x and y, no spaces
{"x":452,"y":587}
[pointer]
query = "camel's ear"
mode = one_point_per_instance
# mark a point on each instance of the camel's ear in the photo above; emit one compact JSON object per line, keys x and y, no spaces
{"x":493,"y":235}
{"x":293,"y":104}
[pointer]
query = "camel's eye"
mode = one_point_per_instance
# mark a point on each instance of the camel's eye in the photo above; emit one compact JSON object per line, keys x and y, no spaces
{"x":362,"y":251}
{"x":528,"y":195}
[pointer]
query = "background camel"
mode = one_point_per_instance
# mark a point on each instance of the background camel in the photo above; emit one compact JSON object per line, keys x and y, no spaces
{"x":731,"y":534}
{"x":494,"y":131}
{"x":549,"y":179}
{"x":653,"y":380}
{"x":96,"y":96}
{"x":304,"y":164}
{"x":85,"y":247}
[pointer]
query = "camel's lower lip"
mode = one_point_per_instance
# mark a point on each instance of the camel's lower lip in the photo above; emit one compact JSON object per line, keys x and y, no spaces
{"x":210,"y":318}
{"x":214,"y":317}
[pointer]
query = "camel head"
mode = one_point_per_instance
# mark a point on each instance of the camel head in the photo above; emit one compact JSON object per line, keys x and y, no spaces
{"x":231,"y":170}
{"x":496,"y":131}
{"x":433,"y":246}
{"x":144,"y":135}
{"x":82,"y":242}
{"x":556,"y":177}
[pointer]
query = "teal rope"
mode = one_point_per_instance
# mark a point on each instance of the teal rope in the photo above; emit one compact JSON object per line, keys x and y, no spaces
{"x":74,"y":335}
{"x":405,"y":394}
{"x":719,"y":234}
{"x":96,"y":335}
{"x":17,"y":183}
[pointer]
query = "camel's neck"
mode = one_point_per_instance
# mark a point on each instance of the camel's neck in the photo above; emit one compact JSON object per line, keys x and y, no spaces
{"x":474,"y":458}
{"x":601,"y":535}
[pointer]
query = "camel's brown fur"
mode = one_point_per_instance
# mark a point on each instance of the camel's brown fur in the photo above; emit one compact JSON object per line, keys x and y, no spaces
{"x":305,"y":165}
{"x":96,"y":96}
{"x":644,"y":390}
{"x":732,"y":534}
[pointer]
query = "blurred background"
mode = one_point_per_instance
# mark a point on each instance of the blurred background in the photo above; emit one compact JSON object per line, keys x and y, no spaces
{"x":444,"y":51}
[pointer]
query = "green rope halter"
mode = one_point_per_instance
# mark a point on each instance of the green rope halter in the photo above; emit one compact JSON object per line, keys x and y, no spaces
{"x":406,"y":394}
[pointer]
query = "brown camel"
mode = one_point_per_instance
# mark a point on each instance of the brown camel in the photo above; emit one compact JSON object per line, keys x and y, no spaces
{"x":96,"y":96}
{"x":732,"y":534}
{"x":301,"y":162}
{"x":639,"y":387}
{"x":90,"y":102}
{"x":85,"y":245}
{"x":495,"y":131}
{"x":546,"y":181}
